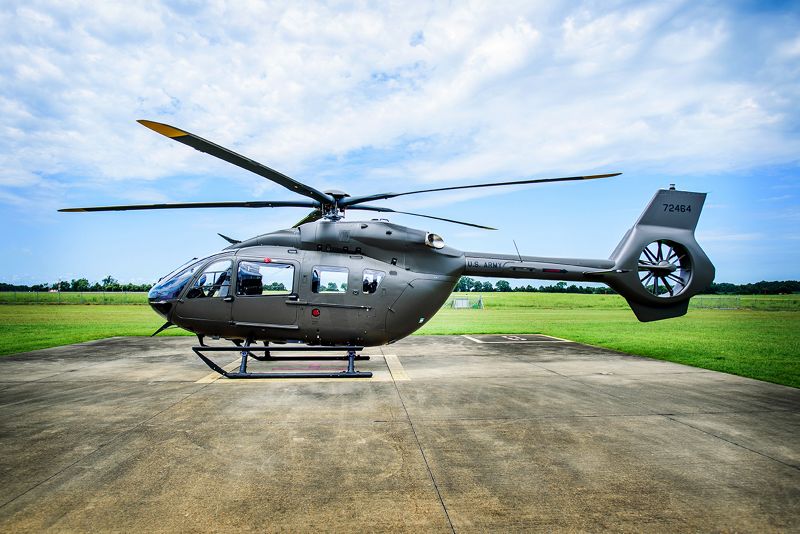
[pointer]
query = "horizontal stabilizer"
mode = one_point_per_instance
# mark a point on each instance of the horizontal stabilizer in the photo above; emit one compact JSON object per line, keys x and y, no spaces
{"x":646,"y":313}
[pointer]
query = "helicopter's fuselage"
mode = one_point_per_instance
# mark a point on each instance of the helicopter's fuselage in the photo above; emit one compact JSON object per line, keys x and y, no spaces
{"x":373,"y":282}
{"x":362,"y":283}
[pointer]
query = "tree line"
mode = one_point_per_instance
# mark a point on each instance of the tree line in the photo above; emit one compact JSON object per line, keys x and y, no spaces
{"x":464,"y":285}
{"x":784,"y":287}
{"x":467,"y":284}
{"x":109,"y":283}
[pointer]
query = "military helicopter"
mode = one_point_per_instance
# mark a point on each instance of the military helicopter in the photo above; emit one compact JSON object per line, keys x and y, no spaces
{"x":337,"y":285}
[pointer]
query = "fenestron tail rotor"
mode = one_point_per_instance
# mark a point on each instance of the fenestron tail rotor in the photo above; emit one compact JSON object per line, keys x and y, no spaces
{"x":329,"y":205}
{"x":665,"y":268}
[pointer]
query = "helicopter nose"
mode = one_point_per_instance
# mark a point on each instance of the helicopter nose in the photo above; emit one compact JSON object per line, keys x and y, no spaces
{"x":161,"y":307}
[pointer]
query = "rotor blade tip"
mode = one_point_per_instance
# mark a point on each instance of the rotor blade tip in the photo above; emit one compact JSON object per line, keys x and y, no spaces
{"x":163,"y":129}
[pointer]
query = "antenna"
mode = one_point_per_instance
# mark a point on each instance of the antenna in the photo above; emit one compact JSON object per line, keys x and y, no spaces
{"x":515,"y":246}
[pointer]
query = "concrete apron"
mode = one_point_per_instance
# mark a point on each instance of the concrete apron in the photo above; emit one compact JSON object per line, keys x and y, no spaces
{"x":452,"y":433}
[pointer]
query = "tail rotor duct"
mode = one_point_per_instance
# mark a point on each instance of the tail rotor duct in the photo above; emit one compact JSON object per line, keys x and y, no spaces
{"x":665,"y":268}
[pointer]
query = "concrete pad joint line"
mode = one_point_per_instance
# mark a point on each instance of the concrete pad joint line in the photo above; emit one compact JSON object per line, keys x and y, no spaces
{"x":733,"y":443}
{"x":425,"y":459}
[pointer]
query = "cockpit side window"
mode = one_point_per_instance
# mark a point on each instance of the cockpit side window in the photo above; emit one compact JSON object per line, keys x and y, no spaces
{"x":371,"y":280}
{"x":257,"y":278}
{"x":215,"y":281}
{"x":325,"y":279}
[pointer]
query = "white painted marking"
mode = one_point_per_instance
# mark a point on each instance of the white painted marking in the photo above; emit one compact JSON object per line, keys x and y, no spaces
{"x":531,"y":341}
{"x":560,"y":339}
{"x":514,"y":338}
{"x":395,"y":367}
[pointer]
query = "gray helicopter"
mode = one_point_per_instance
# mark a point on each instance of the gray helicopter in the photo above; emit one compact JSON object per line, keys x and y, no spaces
{"x":339,"y":285}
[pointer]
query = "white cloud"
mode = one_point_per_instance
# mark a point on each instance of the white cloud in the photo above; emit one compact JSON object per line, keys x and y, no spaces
{"x":485,"y":92}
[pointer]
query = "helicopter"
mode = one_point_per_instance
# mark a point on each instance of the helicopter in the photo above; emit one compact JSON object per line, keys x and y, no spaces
{"x":337,"y":285}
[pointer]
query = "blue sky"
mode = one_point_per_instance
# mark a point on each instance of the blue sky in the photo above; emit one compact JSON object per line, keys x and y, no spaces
{"x":369,"y":98}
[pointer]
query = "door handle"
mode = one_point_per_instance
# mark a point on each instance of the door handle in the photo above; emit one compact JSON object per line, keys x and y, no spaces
{"x":292,"y":297}
{"x":227,"y":299}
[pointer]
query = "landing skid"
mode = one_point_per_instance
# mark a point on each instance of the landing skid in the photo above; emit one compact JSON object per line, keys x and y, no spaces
{"x":246,"y":350}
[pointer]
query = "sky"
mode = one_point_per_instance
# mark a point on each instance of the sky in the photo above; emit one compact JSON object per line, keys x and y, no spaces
{"x":396,"y":96}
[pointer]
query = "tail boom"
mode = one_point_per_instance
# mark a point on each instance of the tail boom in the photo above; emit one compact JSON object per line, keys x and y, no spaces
{"x":657,"y":267}
{"x":531,"y":267}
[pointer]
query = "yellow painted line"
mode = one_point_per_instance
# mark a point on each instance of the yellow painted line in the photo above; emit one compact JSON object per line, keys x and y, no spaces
{"x":214,"y":376}
{"x":395,"y":367}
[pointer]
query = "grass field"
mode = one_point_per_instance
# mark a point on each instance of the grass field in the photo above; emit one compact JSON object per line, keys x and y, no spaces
{"x":492,"y":300}
{"x":754,"y":343}
{"x":78,"y":297}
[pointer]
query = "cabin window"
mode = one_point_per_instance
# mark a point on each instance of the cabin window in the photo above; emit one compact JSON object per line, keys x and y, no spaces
{"x":215,"y":281}
{"x":258,"y":278}
{"x":371,"y":280}
{"x":329,"y":279}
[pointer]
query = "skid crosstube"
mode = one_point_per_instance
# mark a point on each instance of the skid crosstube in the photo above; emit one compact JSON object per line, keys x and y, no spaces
{"x":247,"y":350}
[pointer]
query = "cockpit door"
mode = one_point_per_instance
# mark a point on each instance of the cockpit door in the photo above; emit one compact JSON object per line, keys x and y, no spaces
{"x":209,"y":297}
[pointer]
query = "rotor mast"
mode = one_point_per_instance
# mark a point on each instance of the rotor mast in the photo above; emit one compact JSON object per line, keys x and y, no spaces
{"x":334,"y":211}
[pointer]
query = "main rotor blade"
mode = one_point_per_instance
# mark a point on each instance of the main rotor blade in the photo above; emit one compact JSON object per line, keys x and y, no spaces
{"x":246,"y":204}
{"x":388,"y":210}
{"x":379,"y":196}
{"x":311,"y":217}
{"x":203,"y":145}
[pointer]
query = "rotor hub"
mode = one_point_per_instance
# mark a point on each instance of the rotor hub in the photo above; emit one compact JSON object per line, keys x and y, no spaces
{"x":663,"y":267}
{"x":336,"y":194}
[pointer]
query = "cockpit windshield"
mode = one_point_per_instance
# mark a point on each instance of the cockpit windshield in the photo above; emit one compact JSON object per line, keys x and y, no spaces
{"x":171,"y":285}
